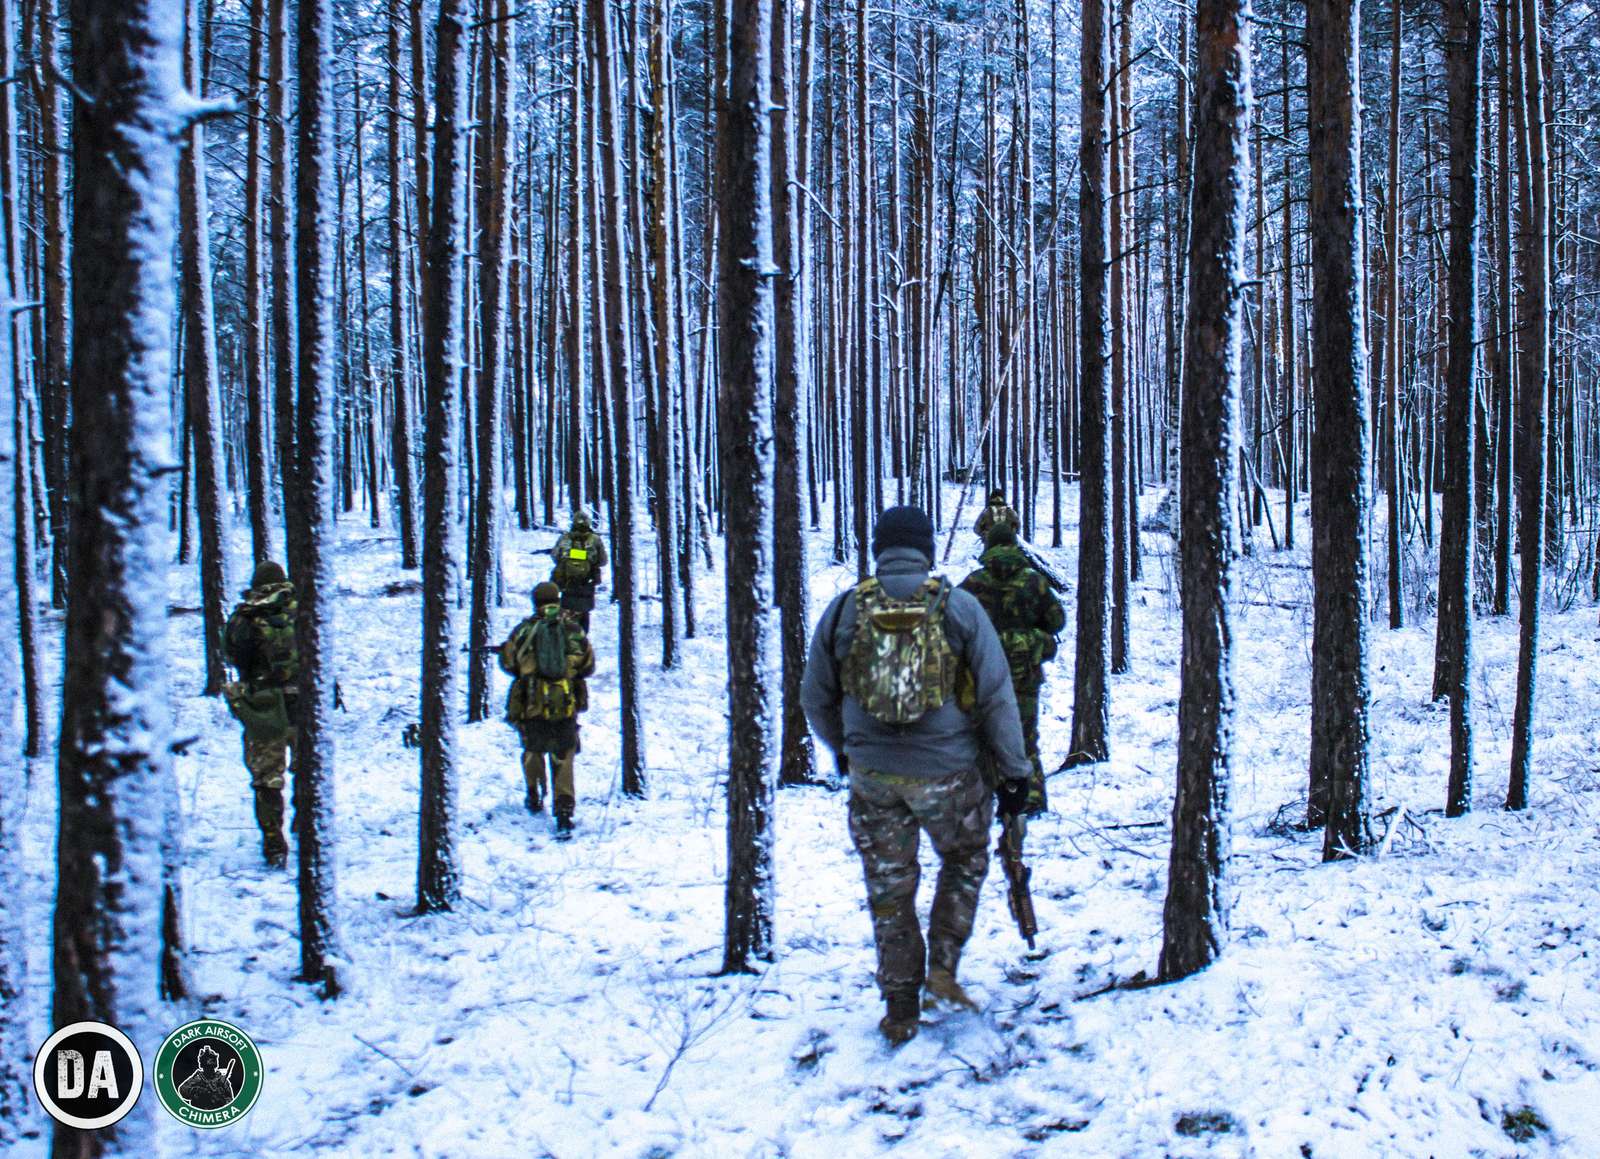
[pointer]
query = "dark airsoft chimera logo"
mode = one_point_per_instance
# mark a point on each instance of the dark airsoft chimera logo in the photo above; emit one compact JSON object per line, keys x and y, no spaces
{"x":88,"y":1075}
{"x":208,"y":1073}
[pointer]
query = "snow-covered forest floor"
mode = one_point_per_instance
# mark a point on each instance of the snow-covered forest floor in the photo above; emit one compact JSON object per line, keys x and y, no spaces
{"x":1438,"y":999}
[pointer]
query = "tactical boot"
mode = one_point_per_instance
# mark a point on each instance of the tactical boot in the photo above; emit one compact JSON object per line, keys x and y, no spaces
{"x":563,"y":812}
{"x":899,"y":1025}
{"x":945,"y":993}
{"x":535,"y":805}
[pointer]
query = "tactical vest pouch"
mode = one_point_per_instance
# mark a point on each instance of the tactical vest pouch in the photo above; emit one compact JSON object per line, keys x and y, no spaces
{"x":535,"y":698}
{"x":263,"y":712}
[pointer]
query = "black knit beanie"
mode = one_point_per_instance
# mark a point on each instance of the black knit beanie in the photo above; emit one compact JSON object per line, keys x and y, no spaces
{"x":903,"y":527}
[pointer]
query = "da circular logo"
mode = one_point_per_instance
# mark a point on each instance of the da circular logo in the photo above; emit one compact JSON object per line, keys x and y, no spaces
{"x":88,"y":1075}
{"x":208,"y":1073}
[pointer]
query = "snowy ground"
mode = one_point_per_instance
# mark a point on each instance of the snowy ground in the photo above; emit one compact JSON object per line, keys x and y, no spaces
{"x":1439,"y":999}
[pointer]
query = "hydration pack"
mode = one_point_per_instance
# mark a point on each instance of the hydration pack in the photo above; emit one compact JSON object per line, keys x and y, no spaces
{"x":900,"y":664}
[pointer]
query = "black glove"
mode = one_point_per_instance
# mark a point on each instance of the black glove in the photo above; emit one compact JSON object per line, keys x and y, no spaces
{"x":1011,"y":797}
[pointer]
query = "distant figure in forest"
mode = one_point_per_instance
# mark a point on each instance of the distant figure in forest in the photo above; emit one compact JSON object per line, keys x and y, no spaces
{"x":995,"y":513}
{"x":907,"y":683}
{"x":580,"y":557}
{"x":1028,"y":618}
{"x":549,"y":656}
{"x":259,"y":641}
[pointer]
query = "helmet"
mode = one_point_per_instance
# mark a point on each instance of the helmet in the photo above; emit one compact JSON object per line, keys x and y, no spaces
{"x":580,"y":519}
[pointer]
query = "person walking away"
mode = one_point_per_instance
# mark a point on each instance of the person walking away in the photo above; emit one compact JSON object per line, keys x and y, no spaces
{"x":995,"y":513}
{"x":259,"y":642}
{"x":1027,"y":617}
{"x":907,"y":684}
{"x":550,"y":658}
{"x":580,"y":557}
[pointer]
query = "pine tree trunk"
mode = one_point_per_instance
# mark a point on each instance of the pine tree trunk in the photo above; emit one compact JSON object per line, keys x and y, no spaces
{"x":577,"y":276}
{"x":18,"y":1116}
{"x":1197,"y":907}
{"x":256,"y":456}
{"x":1533,"y":374}
{"x":401,"y":435}
{"x":745,"y":275}
{"x":116,"y":787}
{"x":1091,"y":708}
{"x":496,"y":62}
{"x":312,"y":566}
{"x":619,"y":349}
{"x":1505,"y":368}
{"x":798,"y":761}
{"x":281,"y":226}
{"x":438,"y":879}
{"x":1452,"y":675}
{"x":667,"y":313}
{"x":200,"y":370}
{"x":54,"y":385}
{"x":1340,"y":438}
{"x":1391,"y":335}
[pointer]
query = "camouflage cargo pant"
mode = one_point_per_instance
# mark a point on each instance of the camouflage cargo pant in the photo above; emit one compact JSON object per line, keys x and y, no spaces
{"x":268,"y":762}
{"x":552,"y":743}
{"x":1028,"y":710}
{"x":888,"y":815}
{"x":533,"y":771}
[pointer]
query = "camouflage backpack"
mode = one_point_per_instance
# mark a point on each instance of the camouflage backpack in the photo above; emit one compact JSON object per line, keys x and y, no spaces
{"x":260,"y":636}
{"x":543,"y":689}
{"x":900,"y":664}
{"x":574,"y":559}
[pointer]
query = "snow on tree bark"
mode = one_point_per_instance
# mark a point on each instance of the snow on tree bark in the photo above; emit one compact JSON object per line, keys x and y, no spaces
{"x":1195,"y":925}
{"x":1340,"y":443}
{"x":1091,"y":705}
{"x":496,"y":62}
{"x":745,"y":347}
{"x":18,"y":1117}
{"x":311,"y":567}
{"x":1533,"y":374}
{"x":114,"y":765}
{"x":280,"y":233}
{"x":400,"y":456}
{"x":438,"y":879}
{"x":200,"y":368}
{"x":619,"y":350}
{"x":1463,"y":40}
{"x":54,"y":387}
{"x":789,"y":546}
{"x":255,"y":327}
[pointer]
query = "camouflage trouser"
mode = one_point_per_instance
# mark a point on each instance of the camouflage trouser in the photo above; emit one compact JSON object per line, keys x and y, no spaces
{"x":533,"y":771}
{"x":268,"y":762}
{"x":552,"y":743}
{"x":1028,"y":710}
{"x":887,"y":817}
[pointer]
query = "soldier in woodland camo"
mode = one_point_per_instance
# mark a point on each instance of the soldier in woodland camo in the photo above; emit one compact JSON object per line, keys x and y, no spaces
{"x":906,"y":683}
{"x":551,"y":660}
{"x":580,"y":563}
{"x":1028,"y":618}
{"x":259,"y":642}
{"x":996,"y":512}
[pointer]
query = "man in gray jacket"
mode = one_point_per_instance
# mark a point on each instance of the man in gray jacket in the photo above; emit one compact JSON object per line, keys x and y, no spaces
{"x":912,"y":740}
